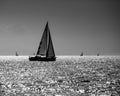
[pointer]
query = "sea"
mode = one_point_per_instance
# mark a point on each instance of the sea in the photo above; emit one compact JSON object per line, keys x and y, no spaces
{"x":67,"y":76}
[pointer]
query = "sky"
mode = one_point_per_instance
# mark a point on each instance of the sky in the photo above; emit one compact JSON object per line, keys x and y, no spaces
{"x":88,"y":26}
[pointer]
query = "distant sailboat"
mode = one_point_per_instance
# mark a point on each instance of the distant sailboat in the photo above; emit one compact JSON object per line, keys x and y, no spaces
{"x":45,"y":50}
{"x":98,"y":54}
{"x":81,"y":54}
{"x":16,"y":54}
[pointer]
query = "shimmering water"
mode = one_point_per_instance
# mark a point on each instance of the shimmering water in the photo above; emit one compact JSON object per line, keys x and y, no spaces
{"x":67,"y":76}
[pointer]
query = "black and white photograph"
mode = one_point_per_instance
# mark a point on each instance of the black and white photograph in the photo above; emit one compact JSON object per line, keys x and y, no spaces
{"x":59,"y":47}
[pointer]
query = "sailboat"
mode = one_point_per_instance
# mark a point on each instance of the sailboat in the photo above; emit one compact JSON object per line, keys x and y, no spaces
{"x":81,"y":54}
{"x":16,"y":53}
{"x":98,"y":54}
{"x":45,"y":50}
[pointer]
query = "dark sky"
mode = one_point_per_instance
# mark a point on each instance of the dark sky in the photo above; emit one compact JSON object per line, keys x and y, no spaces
{"x":90,"y":26}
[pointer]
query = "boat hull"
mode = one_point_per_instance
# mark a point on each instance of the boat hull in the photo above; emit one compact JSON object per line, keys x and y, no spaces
{"x":36,"y":58}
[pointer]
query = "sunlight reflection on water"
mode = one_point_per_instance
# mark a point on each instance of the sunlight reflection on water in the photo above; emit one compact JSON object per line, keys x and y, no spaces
{"x":26,"y":58}
{"x":13,"y":58}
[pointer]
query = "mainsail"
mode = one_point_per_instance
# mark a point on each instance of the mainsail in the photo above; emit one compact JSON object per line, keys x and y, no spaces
{"x":46,"y":46}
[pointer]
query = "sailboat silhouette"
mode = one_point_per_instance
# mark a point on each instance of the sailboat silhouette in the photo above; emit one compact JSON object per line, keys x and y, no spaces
{"x":45,"y":50}
{"x":98,"y":54}
{"x":16,"y":54}
{"x":81,"y":54}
